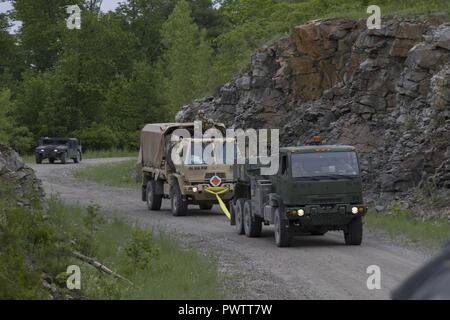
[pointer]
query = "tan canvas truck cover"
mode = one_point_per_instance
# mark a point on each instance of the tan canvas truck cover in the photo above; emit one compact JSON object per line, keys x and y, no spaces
{"x":152,"y":150}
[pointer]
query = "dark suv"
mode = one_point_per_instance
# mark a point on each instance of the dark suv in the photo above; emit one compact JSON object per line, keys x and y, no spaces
{"x":58,"y":149}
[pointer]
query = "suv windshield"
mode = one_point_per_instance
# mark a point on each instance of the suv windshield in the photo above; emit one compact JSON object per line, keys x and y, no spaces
{"x":53,"y":142}
{"x":306,"y":165}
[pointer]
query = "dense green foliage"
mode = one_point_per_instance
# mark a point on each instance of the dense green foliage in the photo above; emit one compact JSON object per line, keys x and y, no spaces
{"x":139,"y":63}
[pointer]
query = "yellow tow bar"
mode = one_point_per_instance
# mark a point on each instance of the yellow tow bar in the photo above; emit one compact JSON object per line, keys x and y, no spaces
{"x":217,"y":191}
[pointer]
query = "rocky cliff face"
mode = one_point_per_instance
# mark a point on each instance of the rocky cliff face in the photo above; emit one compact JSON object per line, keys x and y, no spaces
{"x":386,"y":91}
{"x":18,"y":182}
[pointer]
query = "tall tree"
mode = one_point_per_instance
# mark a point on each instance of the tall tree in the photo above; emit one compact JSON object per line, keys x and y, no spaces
{"x":43,"y":23}
{"x":146,"y":17}
{"x":10,"y":55}
{"x":185,"y":59}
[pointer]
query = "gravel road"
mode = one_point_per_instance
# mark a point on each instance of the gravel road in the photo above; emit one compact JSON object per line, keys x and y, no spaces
{"x":315,"y":267}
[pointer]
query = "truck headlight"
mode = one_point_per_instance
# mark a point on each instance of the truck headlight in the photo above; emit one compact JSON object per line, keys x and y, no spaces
{"x":354,"y":210}
{"x":194,"y":189}
{"x":56,"y":150}
{"x":300,"y":212}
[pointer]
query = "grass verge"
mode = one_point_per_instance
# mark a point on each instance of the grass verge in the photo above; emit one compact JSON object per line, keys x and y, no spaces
{"x":120,"y":174}
{"x":401,"y":224}
{"x":35,"y":243}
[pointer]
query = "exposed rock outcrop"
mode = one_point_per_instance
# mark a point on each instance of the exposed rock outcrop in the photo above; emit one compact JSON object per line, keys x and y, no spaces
{"x":385,"y":91}
{"x":18,"y":181}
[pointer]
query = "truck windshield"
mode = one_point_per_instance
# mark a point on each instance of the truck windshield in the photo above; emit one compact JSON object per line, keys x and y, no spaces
{"x":306,"y":165}
{"x":221,"y":154}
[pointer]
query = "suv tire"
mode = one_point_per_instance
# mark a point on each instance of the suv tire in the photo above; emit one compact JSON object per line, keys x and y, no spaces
{"x":77,"y":159}
{"x":63,"y":158}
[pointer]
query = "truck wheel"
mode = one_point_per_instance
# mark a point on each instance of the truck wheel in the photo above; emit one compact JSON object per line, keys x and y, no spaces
{"x":239,"y":216}
{"x":51,"y":160}
{"x":63,"y":158}
{"x":252,"y":224}
{"x":39,"y":159}
{"x":205,"y":206}
{"x":153,"y":200}
{"x":282,"y":233}
{"x":178,"y":205}
{"x":354,"y":232}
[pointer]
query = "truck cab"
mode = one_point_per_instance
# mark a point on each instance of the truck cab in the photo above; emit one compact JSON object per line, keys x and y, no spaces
{"x":318,"y":188}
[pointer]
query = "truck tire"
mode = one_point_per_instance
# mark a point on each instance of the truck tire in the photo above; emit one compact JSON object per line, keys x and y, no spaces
{"x":354,"y":232}
{"x":63,"y":158}
{"x":252,"y":224}
{"x":239,"y":216}
{"x":51,"y":160}
{"x":205,"y":206}
{"x":153,"y":200}
{"x":177,"y":202}
{"x":282,"y":233}
{"x":38,"y":159}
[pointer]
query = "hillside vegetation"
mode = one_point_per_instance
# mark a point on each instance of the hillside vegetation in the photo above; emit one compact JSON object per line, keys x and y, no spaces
{"x":139,"y":63}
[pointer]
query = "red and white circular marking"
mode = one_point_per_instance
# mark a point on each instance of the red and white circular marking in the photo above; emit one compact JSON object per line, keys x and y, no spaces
{"x":215,"y":181}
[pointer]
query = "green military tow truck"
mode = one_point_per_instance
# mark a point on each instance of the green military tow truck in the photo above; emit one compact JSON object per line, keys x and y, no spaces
{"x":318,"y":188}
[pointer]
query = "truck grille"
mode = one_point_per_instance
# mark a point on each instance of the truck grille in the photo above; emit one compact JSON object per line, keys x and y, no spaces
{"x":327,"y":200}
{"x":208,"y":176}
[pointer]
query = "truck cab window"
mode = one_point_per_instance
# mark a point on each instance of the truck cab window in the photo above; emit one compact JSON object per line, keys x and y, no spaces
{"x":283,"y":164}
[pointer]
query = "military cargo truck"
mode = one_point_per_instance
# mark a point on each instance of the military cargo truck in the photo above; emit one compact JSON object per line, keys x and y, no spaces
{"x":184,"y":183}
{"x":317,"y":189}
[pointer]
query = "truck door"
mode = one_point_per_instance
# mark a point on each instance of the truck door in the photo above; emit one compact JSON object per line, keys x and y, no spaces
{"x":281,"y":179}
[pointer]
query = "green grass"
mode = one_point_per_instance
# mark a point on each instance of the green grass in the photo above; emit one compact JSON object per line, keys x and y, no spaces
{"x":403,"y":225}
{"x":113,"y":153}
{"x":34,"y":242}
{"x":121,"y":174}
{"x":171,"y":273}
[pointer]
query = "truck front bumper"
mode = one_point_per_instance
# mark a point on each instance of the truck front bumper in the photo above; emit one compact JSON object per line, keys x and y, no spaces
{"x":325,"y":215}
{"x":48,"y":154}
{"x":197,"y":192}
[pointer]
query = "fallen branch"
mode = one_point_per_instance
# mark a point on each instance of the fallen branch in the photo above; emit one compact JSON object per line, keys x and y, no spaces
{"x":101,"y":267}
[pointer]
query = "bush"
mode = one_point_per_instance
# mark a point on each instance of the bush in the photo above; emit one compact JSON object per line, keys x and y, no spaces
{"x":97,"y":137}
